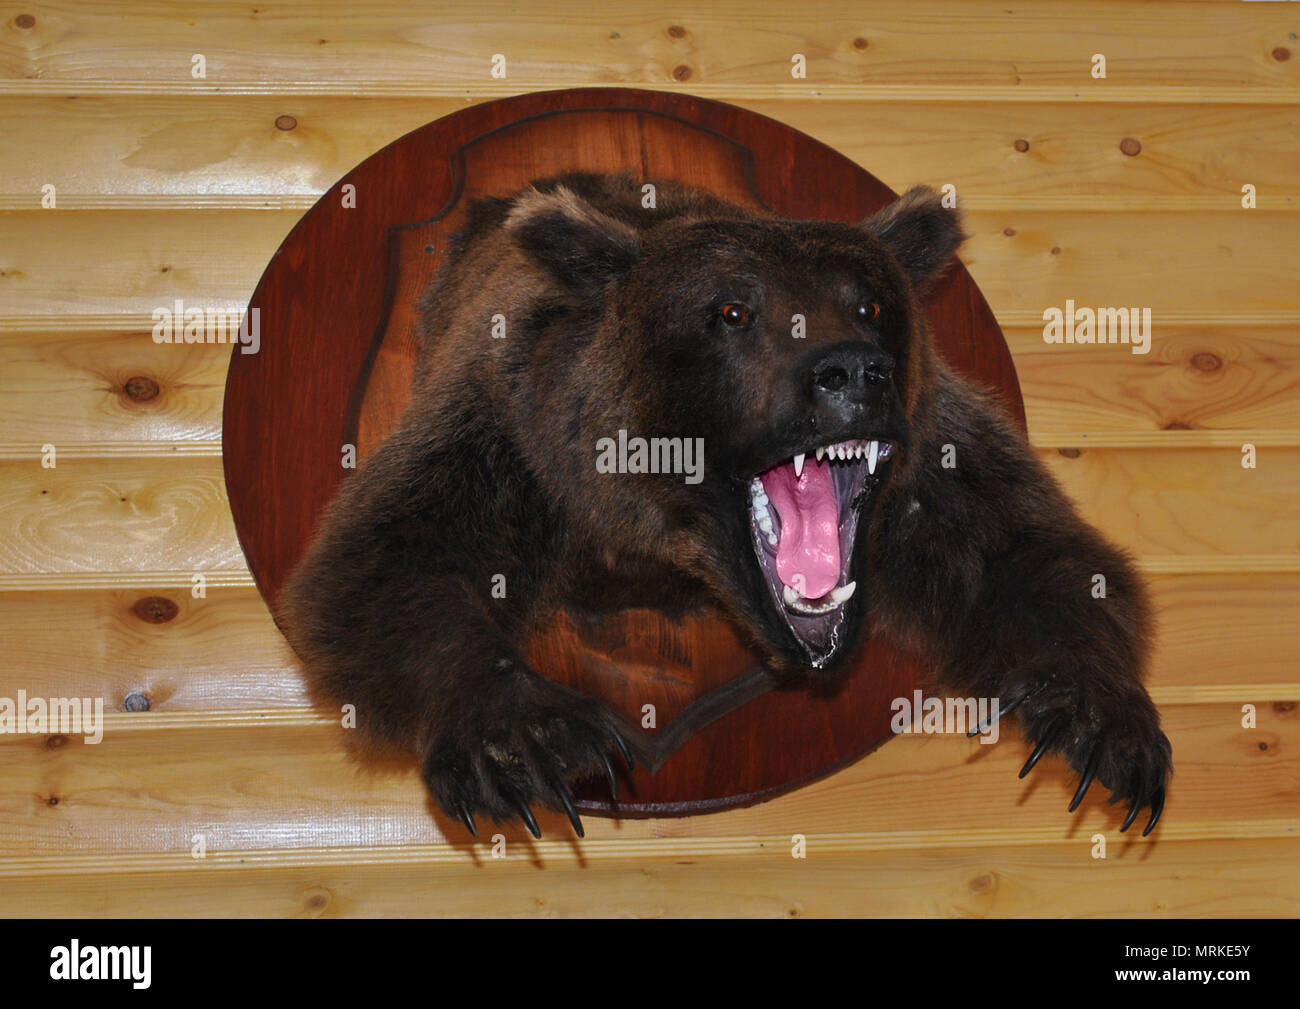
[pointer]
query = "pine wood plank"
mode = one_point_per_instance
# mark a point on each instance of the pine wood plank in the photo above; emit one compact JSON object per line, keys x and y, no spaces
{"x":1221,"y":636}
{"x":109,"y":387}
{"x":221,"y":652}
{"x":287,"y":787}
{"x":1200,"y":385}
{"x":1216,"y":51}
{"x":214,"y":260}
{"x":148,"y":514}
{"x":172,"y":152}
{"x":1234,"y":381}
{"x":1162,"y":503}
{"x":1210,"y":878}
{"x":115,"y":515}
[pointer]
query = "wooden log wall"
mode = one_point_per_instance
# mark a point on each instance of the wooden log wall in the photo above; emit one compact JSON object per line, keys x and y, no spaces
{"x":1126,"y":190}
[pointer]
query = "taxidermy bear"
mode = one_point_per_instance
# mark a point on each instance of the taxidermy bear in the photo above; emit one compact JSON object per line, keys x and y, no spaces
{"x":844,"y":480}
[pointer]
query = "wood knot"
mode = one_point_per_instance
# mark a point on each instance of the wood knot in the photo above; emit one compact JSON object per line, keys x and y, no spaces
{"x":1056,"y":250}
{"x":27,"y":21}
{"x":676,"y":32}
{"x":55,"y":742}
{"x":1263,"y":746}
{"x":1284,"y":707}
{"x":1205,"y":361}
{"x":1281,"y":54}
{"x":1176,"y":425}
{"x":53,"y":800}
{"x":155,"y":609}
{"x":140,"y":388}
{"x":1022,"y":145}
{"x":317,"y":899}
{"x":1070,"y":453}
{"x":682,"y":72}
{"x":285,"y":122}
{"x":860,"y":43}
{"x":982,"y":883}
{"x":1131,"y":146}
{"x":1008,"y":231}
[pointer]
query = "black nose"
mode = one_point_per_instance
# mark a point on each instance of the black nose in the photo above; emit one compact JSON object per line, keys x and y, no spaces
{"x":847,"y":373}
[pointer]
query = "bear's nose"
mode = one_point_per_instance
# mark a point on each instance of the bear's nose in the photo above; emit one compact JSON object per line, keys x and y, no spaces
{"x":846,"y":374}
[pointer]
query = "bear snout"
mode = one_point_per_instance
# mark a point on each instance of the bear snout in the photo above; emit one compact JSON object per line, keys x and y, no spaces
{"x":848,"y":378}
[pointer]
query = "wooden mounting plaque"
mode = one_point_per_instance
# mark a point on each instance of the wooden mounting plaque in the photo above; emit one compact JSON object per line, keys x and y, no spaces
{"x":338,"y":347}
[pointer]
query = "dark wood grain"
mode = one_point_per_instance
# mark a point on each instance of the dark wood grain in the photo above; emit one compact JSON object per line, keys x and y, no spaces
{"x":338,"y":350}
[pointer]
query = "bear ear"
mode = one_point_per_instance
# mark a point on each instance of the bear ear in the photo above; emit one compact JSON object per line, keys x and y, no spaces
{"x":582,"y":247}
{"x":921,"y":233}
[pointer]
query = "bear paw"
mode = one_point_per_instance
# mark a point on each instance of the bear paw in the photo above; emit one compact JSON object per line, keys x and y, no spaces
{"x":1111,"y":737}
{"x":519,"y":743}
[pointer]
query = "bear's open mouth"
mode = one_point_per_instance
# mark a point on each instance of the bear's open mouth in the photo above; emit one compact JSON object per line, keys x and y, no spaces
{"x":804,"y":518}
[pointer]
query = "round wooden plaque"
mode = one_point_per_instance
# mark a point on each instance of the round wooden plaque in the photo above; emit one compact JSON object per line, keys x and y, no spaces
{"x":338,"y":347}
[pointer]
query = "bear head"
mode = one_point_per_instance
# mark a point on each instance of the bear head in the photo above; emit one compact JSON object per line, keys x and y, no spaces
{"x":795,"y":354}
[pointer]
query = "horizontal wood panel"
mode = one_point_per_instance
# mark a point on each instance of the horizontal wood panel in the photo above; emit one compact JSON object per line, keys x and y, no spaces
{"x":108,"y":387}
{"x":1209,"y":878}
{"x":221,"y":652}
{"x":1216,"y":635}
{"x":1217,"y":379}
{"x":69,"y":386}
{"x":1222,"y":49}
{"x":116,"y":515}
{"x":1225,"y":630}
{"x":229,"y":151}
{"x":175,"y":515}
{"x":1167,"y":503}
{"x":174,"y":187}
{"x":171,"y":513}
{"x":1164,"y":261}
{"x":56,"y":261}
{"x":288,"y":787}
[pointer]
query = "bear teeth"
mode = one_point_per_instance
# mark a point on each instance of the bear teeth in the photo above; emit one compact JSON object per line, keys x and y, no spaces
{"x":835,"y":599}
{"x":872,"y":451}
{"x":758,"y":501}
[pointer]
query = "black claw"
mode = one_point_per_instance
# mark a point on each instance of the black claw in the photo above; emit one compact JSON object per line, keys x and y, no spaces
{"x":987,"y":724}
{"x":525,"y":813}
{"x":1157,"y":807}
{"x":562,"y":791}
{"x":467,"y":818}
{"x":1008,"y":708}
{"x":1090,"y":772}
{"x":624,"y":749}
{"x":609,"y":773}
{"x":1048,"y":738}
{"x":1133,"y":808}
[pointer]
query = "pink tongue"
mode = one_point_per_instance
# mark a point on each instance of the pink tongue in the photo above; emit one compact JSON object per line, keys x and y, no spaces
{"x":808,"y":554}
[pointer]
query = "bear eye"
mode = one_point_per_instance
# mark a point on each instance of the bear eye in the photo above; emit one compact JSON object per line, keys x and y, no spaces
{"x":868,"y":311}
{"x":735,"y":314}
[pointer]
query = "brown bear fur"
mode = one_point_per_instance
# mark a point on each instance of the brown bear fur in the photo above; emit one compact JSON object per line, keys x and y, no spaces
{"x":615,"y":319}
